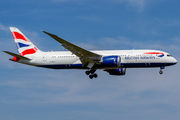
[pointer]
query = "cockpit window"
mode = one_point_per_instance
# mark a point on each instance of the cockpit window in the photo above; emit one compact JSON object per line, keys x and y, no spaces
{"x":169,"y":55}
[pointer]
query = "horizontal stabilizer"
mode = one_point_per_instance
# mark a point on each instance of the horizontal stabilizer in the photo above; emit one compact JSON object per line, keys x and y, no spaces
{"x":16,"y":55}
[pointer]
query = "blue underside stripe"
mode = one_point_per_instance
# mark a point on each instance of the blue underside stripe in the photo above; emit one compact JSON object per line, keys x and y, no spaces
{"x":124,"y":65}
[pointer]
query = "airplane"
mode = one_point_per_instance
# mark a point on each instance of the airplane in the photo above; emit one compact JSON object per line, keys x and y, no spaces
{"x":114,"y":62}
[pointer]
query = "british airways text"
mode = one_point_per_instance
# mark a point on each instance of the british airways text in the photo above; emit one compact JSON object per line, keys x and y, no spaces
{"x":135,"y":58}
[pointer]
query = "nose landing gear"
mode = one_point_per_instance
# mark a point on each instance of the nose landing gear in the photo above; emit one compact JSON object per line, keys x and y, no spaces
{"x":91,"y":73}
{"x":161,"y":72}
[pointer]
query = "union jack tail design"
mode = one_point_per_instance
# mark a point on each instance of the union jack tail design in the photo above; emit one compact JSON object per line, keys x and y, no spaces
{"x":25,"y":46}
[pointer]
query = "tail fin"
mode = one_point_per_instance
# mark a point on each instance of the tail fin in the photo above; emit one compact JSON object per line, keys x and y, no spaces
{"x":25,"y":46}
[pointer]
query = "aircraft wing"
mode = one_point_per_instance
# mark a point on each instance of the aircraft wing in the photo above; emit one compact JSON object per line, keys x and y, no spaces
{"x":85,"y":56}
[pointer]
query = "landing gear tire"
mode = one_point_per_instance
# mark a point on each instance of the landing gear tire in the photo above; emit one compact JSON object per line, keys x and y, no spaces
{"x":88,"y":72}
{"x":95,"y":75}
{"x":160,"y":72}
{"x":91,"y":76}
{"x":91,"y":73}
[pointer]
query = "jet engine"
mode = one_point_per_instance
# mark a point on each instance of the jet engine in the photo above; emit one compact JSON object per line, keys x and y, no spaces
{"x":121,"y":71}
{"x":111,"y":61}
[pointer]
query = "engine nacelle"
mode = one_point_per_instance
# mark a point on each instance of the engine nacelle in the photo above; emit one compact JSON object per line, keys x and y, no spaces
{"x":121,"y":71}
{"x":111,"y":61}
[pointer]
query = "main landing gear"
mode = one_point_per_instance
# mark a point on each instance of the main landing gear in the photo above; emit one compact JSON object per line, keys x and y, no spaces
{"x":92,"y":74}
{"x":161,"y":72}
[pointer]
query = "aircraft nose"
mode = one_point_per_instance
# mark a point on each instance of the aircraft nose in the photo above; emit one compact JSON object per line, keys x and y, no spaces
{"x":174,"y":61}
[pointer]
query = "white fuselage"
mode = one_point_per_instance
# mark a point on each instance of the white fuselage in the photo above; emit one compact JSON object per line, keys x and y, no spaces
{"x":129,"y":59}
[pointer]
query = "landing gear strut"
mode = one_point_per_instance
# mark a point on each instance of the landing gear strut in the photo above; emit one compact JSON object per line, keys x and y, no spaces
{"x":91,"y":73}
{"x":161,"y":72}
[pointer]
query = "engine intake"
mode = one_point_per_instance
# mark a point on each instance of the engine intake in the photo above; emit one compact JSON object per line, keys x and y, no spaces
{"x":111,"y":61}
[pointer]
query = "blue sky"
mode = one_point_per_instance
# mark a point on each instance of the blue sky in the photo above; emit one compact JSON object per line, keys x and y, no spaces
{"x":28,"y":92}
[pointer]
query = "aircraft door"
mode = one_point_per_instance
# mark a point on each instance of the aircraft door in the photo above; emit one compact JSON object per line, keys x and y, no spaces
{"x":44,"y":58}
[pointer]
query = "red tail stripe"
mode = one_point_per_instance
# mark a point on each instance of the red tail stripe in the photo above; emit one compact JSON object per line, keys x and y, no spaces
{"x":17,"y":35}
{"x":29,"y":51}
